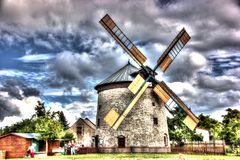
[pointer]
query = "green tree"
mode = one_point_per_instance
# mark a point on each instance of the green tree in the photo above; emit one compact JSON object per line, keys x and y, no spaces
{"x":24,"y":126}
{"x":179,"y":132}
{"x":63,"y":120}
{"x":231,"y":123}
{"x":40,"y":111}
{"x":48,"y":129}
{"x":215,"y":127}
{"x":44,"y":122}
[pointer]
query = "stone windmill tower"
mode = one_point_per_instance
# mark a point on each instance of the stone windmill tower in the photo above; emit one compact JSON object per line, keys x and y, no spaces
{"x":145,"y":125}
{"x":132,"y":102}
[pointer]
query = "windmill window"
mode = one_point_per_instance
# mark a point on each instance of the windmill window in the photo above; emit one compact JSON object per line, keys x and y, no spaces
{"x":155,"y":121}
{"x":98,"y":122}
{"x":153,"y":103}
{"x":99,"y":107}
{"x":165,"y":138}
{"x":121,"y":141}
{"x":80,"y":130}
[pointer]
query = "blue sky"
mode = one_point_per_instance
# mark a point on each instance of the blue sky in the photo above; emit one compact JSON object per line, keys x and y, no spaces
{"x":56,"y":51}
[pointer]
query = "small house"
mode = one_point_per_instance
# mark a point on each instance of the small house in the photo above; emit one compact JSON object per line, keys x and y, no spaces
{"x":83,"y":131}
{"x":204,"y":133}
{"x":17,"y":144}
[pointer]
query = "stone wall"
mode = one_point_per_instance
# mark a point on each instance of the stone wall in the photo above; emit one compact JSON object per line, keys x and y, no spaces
{"x":138,"y":127}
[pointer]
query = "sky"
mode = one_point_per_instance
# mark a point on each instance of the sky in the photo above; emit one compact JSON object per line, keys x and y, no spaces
{"x":56,"y":51}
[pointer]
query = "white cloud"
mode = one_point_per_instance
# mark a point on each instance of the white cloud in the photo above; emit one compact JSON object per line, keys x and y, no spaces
{"x":74,"y":111}
{"x":26,"y":108}
{"x":7,"y":121}
{"x":36,"y":57}
{"x":43,"y":43}
{"x":12,"y":73}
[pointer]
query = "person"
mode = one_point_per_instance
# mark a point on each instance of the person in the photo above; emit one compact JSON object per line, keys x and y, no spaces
{"x":65,"y":148}
{"x":30,"y":151}
{"x":72,"y":148}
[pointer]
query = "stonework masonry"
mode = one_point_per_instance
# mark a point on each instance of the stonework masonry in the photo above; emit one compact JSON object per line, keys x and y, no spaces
{"x":138,"y":128}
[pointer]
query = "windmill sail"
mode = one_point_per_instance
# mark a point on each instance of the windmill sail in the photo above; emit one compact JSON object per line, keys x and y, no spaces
{"x":136,"y":84}
{"x":172,"y":101}
{"x":111,"y":117}
{"x":122,"y":39}
{"x":173,"y":49}
{"x":139,"y":84}
{"x":130,"y":106}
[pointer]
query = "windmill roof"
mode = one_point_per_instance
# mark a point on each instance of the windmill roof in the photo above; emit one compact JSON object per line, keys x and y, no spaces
{"x":124,"y":74}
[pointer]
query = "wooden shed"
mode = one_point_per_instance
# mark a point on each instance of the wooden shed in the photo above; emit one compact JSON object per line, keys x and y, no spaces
{"x":16,"y":144}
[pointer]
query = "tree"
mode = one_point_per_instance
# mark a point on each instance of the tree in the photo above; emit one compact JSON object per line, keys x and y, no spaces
{"x":42,"y":112}
{"x":43,"y":122}
{"x":231,"y":123}
{"x":179,"y":132}
{"x":215,"y":127}
{"x":24,"y":126}
{"x":63,"y":120}
{"x":48,"y":129}
{"x":40,"y":109}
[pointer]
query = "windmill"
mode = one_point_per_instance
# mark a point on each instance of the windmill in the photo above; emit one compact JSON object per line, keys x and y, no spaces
{"x":146,"y":75}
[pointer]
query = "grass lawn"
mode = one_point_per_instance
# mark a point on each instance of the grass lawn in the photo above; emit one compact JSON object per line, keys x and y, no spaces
{"x":139,"y":156}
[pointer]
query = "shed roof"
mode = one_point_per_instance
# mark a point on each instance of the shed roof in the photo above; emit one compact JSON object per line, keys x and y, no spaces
{"x":24,"y":135}
{"x":122,"y":75}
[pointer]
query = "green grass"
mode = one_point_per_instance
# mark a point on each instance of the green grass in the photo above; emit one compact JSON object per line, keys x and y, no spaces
{"x":140,"y":156}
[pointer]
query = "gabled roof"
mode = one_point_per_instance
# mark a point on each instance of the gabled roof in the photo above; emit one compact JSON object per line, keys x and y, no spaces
{"x":122,"y":75}
{"x":24,"y":135}
{"x":86,"y":121}
{"x":90,"y":123}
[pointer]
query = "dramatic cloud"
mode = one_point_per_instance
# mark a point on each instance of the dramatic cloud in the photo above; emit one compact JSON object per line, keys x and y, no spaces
{"x":7,"y":108}
{"x":17,"y":89}
{"x":58,"y":48}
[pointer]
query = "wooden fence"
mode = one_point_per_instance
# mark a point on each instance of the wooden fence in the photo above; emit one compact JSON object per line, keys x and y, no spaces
{"x":193,"y":147}
{"x":123,"y":150}
{"x":201,"y":147}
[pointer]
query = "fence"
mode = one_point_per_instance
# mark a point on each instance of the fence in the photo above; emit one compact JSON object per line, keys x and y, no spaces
{"x":193,"y":147}
{"x":201,"y":147}
{"x":123,"y":150}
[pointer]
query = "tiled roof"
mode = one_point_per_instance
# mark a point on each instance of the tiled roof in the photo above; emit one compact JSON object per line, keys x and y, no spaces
{"x":122,"y":75}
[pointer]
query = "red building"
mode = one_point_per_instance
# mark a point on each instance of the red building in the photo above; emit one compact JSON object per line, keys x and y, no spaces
{"x":16,"y":144}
